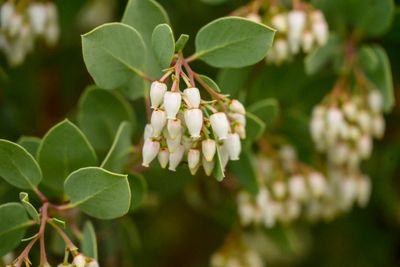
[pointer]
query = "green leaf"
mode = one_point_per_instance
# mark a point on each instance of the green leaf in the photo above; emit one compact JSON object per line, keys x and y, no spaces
{"x":267,"y":110}
{"x":13,"y":223}
{"x":231,"y":81}
{"x":233,"y":42}
{"x":18,"y":167}
{"x":218,"y":170}
{"x":144,"y":16}
{"x":30,"y":143}
{"x":100,"y":114}
{"x":30,"y":209}
{"x":181,"y":43}
{"x":138,"y":186}
{"x":210,"y":82}
{"x":119,"y":152}
{"x":243,"y":170}
{"x":63,"y":150}
{"x":98,"y":192}
{"x":163,"y":43}
{"x":381,"y":76}
{"x":89,"y":240}
{"x":322,"y":56}
{"x":114,"y":54}
{"x":358,"y":15}
{"x":255,"y":127}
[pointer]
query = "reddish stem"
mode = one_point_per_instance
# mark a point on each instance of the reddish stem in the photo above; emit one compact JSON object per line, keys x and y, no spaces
{"x":43,"y":257}
{"x":23,"y":257}
{"x":66,"y":239}
{"x":178,"y":69}
{"x":190,"y":73}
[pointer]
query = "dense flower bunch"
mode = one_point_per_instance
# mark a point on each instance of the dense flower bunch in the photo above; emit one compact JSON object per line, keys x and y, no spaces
{"x":184,"y":126}
{"x":81,"y":260}
{"x":287,"y":188}
{"x":298,"y":30}
{"x":21,"y":23}
{"x":236,"y":253}
{"x":343,"y":127}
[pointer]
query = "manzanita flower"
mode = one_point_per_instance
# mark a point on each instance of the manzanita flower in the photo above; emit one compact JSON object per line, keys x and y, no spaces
{"x":172,"y":103}
{"x":194,"y":121}
{"x":192,"y":96}
{"x":233,"y":146}
{"x":175,"y":157}
{"x":174,"y":127}
{"x":208,"y":166}
{"x":208,"y":147}
{"x":163,"y":157}
{"x":157,"y":91}
{"x":237,"y":107}
{"x":79,"y":260}
{"x":194,"y":157}
{"x":150,"y":151}
{"x":158,"y":121}
{"x":220,"y":125}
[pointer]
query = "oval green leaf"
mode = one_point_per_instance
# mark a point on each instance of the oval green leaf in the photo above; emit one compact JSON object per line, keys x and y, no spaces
{"x":13,"y":224}
{"x":18,"y":167}
{"x":63,"y":150}
{"x":120,"y":150}
{"x":98,"y":192}
{"x":163,"y":43}
{"x":99,"y":116}
{"x":233,"y":42}
{"x":114,"y":54}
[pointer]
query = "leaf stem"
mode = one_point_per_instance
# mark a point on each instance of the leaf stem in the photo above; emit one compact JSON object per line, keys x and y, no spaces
{"x":211,"y":91}
{"x":43,"y":257}
{"x":23,"y":257}
{"x":190,"y":72}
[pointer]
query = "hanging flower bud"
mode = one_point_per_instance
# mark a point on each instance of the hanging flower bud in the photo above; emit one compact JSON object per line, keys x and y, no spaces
{"x":208,"y":147}
{"x":279,"y":189}
{"x":279,"y":22}
{"x":79,"y":261}
{"x":149,"y":151}
{"x":234,"y":146}
{"x":158,"y":121}
{"x":282,"y":50}
{"x":224,"y":154}
{"x":240,"y":130}
{"x":317,"y":184}
{"x":208,"y":166}
{"x":173,"y":144}
{"x":238,"y":118}
{"x":163,"y":157}
{"x":174,"y":128}
{"x":334,"y":120}
{"x":350,"y":110}
{"x":15,"y":24}
{"x":172,"y":103}
{"x":193,"y":158}
{"x":7,"y":10}
{"x":319,"y":27}
{"x":378,"y":126}
{"x":194,"y":121}
{"x":220,"y":125}
{"x":37,"y":14}
{"x":192,"y":96}
{"x":148,"y":131}
{"x":297,"y":187}
{"x":365,"y":146}
{"x":237,"y":107}
{"x":254,"y":17}
{"x":157,"y":91}
{"x":296,"y":23}
{"x":375,"y":101}
{"x":175,"y":157}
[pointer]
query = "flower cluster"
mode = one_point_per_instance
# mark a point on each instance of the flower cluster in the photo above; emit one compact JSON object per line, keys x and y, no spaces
{"x":301,"y":28}
{"x":236,"y":253}
{"x":287,"y":188}
{"x":21,"y":23}
{"x":297,"y":29}
{"x":345,"y":126}
{"x":183,"y":126}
